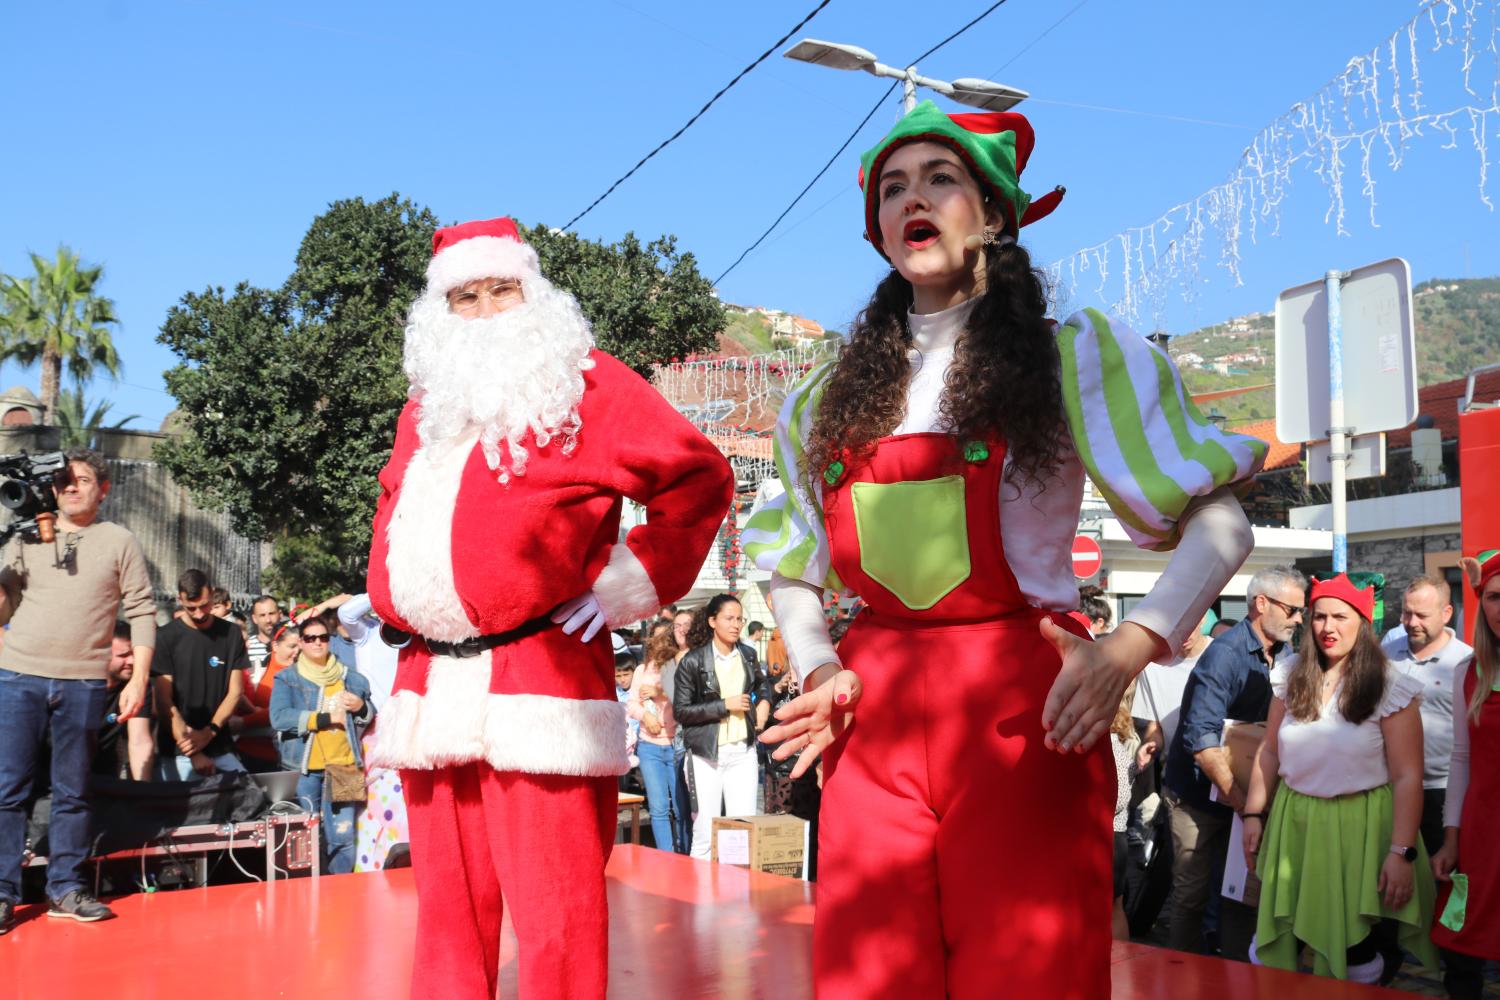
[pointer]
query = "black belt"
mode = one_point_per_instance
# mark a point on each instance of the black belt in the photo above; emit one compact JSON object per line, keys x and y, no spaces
{"x":465,"y":648}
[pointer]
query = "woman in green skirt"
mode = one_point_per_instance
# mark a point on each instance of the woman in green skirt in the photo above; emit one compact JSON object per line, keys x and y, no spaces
{"x":1338,"y":851}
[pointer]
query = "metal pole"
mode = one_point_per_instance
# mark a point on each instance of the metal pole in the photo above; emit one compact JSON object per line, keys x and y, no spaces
{"x":909,"y":89}
{"x":1338,"y":440}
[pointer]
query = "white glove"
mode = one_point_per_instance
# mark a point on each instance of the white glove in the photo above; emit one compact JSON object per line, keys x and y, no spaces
{"x":581,"y":612}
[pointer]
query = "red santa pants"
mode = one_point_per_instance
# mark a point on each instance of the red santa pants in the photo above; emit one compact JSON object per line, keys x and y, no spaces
{"x":958,"y":857}
{"x":544,"y":839}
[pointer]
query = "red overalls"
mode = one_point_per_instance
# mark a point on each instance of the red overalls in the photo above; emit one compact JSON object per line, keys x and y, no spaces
{"x":1477,"y":855}
{"x":958,"y":856}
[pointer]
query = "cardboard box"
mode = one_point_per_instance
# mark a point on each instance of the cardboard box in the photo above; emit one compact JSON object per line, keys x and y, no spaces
{"x":775,"y":844}
{"x":1243,"y":740}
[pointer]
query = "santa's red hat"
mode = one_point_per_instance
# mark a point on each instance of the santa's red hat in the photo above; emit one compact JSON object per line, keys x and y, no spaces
{"x":1343,"y":588}
{"x":492,"y":248}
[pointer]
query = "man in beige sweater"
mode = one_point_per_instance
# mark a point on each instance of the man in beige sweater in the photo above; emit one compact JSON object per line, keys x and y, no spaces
{"x":61,"y":599}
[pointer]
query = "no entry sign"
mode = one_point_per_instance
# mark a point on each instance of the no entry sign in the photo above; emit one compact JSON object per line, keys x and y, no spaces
{"x":1088,"y":557}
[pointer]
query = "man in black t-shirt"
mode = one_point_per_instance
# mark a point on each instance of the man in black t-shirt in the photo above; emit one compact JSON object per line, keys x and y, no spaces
{"x":126,"y":749}
{"x":198,"y":674}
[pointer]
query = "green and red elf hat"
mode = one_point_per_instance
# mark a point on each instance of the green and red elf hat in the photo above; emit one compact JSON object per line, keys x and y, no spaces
{"x":993,"y":144}
{"x":1481,"y":569}
{"x":1343,"y":588}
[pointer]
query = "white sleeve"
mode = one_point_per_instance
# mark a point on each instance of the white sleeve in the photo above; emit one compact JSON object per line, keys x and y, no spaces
{"x":798,"y":607}
{"x":1458,"y":766}
{"x":352,"y":613}
{"x":1215,"y":540}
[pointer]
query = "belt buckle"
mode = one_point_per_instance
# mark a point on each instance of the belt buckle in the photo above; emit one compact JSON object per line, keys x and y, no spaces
{"x":467,"y":648}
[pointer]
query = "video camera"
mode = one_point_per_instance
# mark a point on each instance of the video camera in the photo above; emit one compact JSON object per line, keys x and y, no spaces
{"x":27,"y":485}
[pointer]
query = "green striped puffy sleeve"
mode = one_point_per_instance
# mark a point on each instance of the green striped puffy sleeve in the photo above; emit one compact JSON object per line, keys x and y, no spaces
{"x":785,"y":534}
{"x":1139,"y":435}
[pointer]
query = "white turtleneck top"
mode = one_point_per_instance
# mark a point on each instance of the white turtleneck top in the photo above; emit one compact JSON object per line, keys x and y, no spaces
{"x":1037,"y":525}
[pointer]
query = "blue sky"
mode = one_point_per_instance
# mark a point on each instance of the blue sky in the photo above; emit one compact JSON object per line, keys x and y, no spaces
{"x":184,"y":144}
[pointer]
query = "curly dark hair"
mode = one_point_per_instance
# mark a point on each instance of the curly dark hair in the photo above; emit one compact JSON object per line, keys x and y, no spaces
{"x":700,"y":632}
{"x":1005,"y":382}
{"x":660,"y":648}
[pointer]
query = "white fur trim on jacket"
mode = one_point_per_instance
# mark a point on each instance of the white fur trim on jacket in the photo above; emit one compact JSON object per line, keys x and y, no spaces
{"x":480,"y":257}
{"x":419,"y":561}
{"x":624,"y":589}
{"x":460,"y":721}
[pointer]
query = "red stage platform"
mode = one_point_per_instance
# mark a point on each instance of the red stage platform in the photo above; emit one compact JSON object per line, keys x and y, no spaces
{"x":678,"y":929}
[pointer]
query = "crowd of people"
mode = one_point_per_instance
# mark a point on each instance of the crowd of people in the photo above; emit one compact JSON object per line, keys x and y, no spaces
{"x":208,"y":691}
{"x":1307,"y":802}
{"x":699,"y":687}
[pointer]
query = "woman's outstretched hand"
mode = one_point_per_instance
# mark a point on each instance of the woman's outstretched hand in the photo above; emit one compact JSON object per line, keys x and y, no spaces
{"x":810,"y":723}
{"x":1088,"y":689}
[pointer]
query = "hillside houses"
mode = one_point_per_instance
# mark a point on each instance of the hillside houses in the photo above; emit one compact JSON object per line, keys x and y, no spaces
{"x":784,"y":324}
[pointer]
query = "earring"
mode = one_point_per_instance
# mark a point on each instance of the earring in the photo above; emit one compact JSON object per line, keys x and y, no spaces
{"x":989,"y":236}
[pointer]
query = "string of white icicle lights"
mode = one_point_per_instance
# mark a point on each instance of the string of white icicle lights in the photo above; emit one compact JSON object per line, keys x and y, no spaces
{"x":1368,"y":114}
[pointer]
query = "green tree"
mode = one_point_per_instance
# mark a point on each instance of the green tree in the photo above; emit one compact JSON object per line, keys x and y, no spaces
{"x":80,"y":421}
{"x":56,"y":317}
{"x":290,"y":395}
{"x":647,"y":302}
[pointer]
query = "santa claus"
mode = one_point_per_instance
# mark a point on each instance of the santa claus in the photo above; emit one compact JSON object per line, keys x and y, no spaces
{"x":497,"y":547}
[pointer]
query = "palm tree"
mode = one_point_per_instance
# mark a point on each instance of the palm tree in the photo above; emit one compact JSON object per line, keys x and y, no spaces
{"x":79,"y":423}
{"x":57,"y":318}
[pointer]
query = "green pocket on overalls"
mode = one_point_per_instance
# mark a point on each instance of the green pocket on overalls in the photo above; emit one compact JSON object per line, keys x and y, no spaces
{"x":1458,"y":903}
{"x":913,"y":537}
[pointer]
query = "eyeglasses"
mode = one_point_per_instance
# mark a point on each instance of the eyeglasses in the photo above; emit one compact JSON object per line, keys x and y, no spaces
{"x":1292,"y":611}
{"x":319,"y":637}
{"x":503,"y":293}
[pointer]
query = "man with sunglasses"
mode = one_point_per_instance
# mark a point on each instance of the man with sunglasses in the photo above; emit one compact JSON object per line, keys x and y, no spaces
{"x":199,"y":676}
{"x":1230,"y":681}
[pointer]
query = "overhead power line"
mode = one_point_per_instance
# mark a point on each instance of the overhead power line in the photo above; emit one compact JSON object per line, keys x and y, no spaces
{"x":808,"y":187}
{"x":986,"y":13}
{"x":722,"y":91}
{"x":852,"y":135}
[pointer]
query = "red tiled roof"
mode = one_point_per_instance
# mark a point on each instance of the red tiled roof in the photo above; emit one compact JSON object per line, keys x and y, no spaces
{"x":1440,"y":401}
{"x":1281,"y":455}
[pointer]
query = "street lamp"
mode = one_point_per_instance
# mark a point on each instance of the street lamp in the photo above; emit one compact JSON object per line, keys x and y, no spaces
{"x":974,"y":92}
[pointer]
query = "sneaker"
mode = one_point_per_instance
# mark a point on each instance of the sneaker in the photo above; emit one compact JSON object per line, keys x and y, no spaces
{"x":7,"y":915}
{"x":79,"y":905}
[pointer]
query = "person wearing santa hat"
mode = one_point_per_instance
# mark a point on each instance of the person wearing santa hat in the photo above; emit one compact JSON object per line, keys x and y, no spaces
{"x":1338,"y":850}
{"x":936,"y":471}
{"x":1468,"y":928}
{"x":497,"y":556}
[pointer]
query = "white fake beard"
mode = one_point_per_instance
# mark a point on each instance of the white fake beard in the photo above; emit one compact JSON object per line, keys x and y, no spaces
{"x":507,"y":375}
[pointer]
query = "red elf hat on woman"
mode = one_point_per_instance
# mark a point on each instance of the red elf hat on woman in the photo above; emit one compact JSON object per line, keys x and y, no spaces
{"x":993,"y":144}
{"x":1343,"y":588}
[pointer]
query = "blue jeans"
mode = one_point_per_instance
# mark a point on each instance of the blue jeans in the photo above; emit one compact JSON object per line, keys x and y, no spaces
{"x":180,"y":768}
{"x":337,"y":839}
{"x":72,"y":712}
{"x":666,"y":796}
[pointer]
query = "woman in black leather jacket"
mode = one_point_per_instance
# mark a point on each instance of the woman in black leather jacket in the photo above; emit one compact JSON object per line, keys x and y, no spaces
{"x":721,"y":701}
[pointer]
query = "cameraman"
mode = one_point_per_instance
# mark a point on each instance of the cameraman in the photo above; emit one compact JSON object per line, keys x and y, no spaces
{"x":61,"y":599}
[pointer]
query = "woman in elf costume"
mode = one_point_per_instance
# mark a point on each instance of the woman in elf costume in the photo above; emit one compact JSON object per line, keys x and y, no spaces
{"x":1337,"y":851}
{"x":936,"y":469}
{"x":1468,"y":930}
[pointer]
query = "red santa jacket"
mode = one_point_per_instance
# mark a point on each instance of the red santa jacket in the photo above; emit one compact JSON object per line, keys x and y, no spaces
{"x":457,"y":554}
